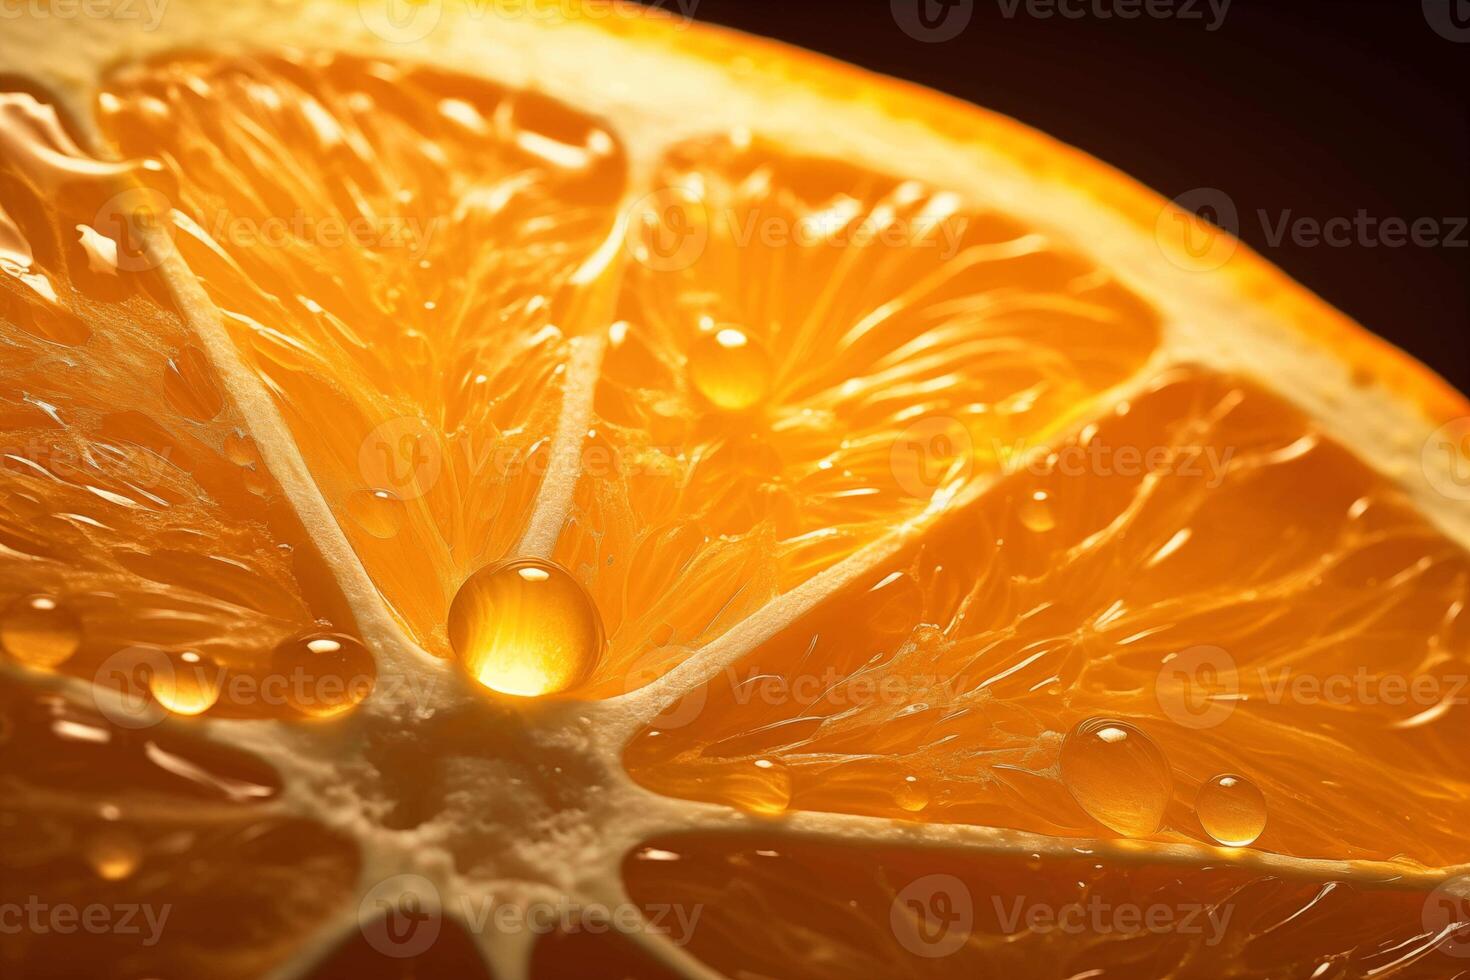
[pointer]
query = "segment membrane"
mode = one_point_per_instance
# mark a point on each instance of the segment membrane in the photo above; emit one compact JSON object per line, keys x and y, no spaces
{"x":160,"y":841}
{"x":391,"y":249}
{"x":1202,"y":564}
{"x":134,"y":511}
{"x":809,"y":354}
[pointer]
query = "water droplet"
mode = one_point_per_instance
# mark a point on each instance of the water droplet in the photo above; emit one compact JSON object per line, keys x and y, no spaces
{"x":760,"y":786}
{"x":240,"y":449}
{"x":1118,"y":775}
{"x":378,"y":512}
{"x":731,"y":370}
{"x":186,"y":683}
{"x":525,"y":627}
{"x":325,"y":674}
{"x":113,"y":853}
{"x":188,"y":386}
{"x":1036,"y":512}
{"x":1232,"y":810}
{"x":912,"y":794}
{"x":40,"y":631}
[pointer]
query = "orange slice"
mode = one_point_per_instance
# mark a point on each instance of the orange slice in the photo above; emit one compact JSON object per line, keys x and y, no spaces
{"x":540,"y":496}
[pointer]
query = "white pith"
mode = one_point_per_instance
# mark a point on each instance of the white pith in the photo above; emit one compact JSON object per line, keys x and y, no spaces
{"x":327,"y":774}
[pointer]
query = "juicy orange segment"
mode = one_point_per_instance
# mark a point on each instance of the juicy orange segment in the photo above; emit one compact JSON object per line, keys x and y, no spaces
{"x":836,"y":911}
{"x":598,"y":387}
{"x":133,"y":510}
{"x":97,"y":816}
{"x":390,"y":247}
{"x":1201,"y":564}
{"x":808,"y":354}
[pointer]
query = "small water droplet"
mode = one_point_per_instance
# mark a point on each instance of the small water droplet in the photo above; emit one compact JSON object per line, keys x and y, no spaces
{"x":912,"y":794}
{"x":113,"y":852}
{"x":186,"y":683}
{"x":732,"y":370}
{"x":1118,"y":775}
{"x":40,"y":631}
{"x":325,"y":674}
{"x":1037,"y":514}
{"x":1232,"y":810}
{"x":378,"y":512}
{"x":525,"y":627}
{"x":240,"y":449}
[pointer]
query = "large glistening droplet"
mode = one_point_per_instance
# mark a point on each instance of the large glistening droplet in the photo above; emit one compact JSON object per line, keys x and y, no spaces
{"x":40,"y":631}
{"x":378,"y":512}
{"x":1118,"y":775}
{"x":324,"y":674}
{"x":730,"y":369}
{"x":525,"y":627}
{"x":1232,"y":810}
{"x":186,"y":683}
{"x":912,"y":794}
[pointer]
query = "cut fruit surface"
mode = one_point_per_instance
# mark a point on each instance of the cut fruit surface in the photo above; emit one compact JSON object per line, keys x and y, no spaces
{"x":863,"y":543}
{"x":172,"y":848}
{"x":826,"y":911}
{"x":389,"y":247}
{"x":134,"y":510}
{"x":894,"y":346}
{"x":1202,"y":564}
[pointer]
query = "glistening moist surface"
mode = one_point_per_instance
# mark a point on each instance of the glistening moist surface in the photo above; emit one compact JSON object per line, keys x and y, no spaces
{"x":134,"y":509}
{"x":1200,"y":563}
{"x":827,"y":911}
{"x":391,"y":248}
{"x":437,"y":240}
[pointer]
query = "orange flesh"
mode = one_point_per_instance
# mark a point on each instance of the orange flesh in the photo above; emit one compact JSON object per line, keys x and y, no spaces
{"x":835,"y":911}
{"x":389,"y":248}
{"x":966,"y":334}
{"x":1204,"y":515}
{"x":129,"y":494}
{"x":94,"y":813}
{"x":441,"y":248}
{"x":913,"y":341}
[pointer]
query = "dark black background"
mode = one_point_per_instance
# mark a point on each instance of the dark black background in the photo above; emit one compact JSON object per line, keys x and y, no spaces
{"x":1319,"y":107}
